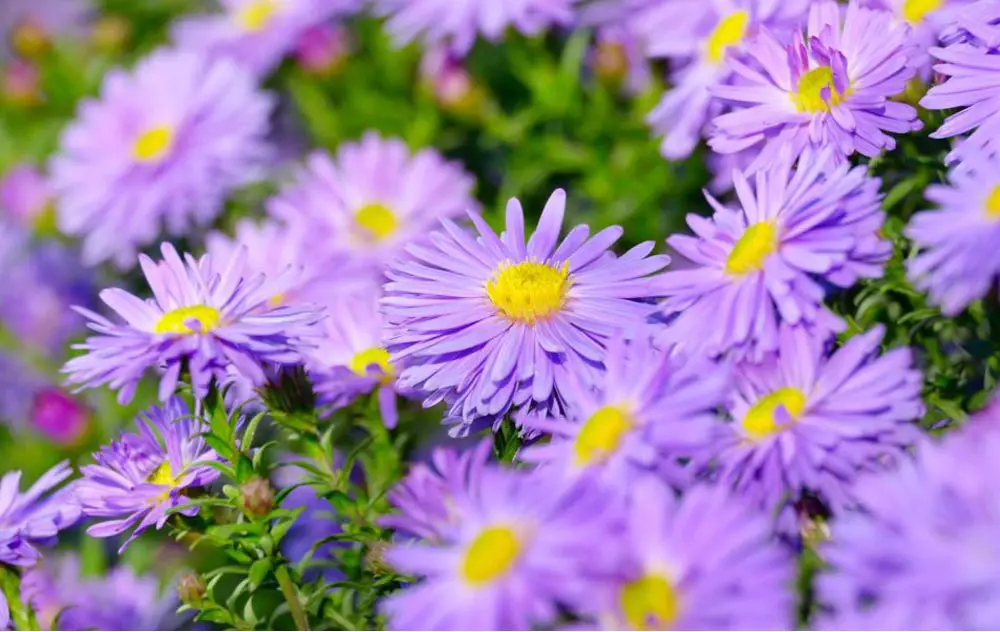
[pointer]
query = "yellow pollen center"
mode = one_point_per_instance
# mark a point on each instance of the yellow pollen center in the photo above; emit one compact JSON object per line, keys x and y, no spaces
{"x":528,"y":291}
{"x":728,"y":32}
{"x":759,"y":421}
{"x":914,"y":11}
{"x":490,"y":555}
{"x":809,"y":96}
{"x":601,"y":435}
{"x":179,"y":321}
{"x":162,"y":476}
{"x":378,"y":220}
{"x":375,"y":356}
{"x":649,"y":603}
{"x":29,"y":39}
{"x":255,"y":16}
{"x":993,"y":203}
{"x":759,"y":241}
{"x":153,"y":144}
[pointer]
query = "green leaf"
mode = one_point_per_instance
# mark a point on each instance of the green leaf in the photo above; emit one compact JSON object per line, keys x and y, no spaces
{"x":259,"y":571}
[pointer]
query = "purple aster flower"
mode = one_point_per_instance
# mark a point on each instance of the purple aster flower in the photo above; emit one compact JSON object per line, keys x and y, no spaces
{"x":650,"y":408}
{"x":272,"y":250}
{"x":706,"y":562}
{"x":255,"y":33}
{"x":205,"y":317}
{"x":362,"y":206}
{"x":958,"y":262}
{"x":808,"y":421}
{"x":515,"y":557}
{"x":140,"y":477}
{"x":491,"y":323}
{"x":30,"y":401}
{"x":927,"y":19}
{"x":460,"y":22}
{"x":31,"y":518}
{"x":27,"y":27}
{"x":833,"y":88}
{"x":163,"y":145}
{"x":924,"y":553}
{"x":977,"y":23}
{"x":767,"y":262}
{"x":25,"y":195}
{"x":121,"y":600}
{"x":698,"y":36}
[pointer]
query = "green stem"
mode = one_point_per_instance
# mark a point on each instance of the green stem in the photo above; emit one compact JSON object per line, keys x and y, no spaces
{"x":21,"y":614}
{"x":292,"y":597}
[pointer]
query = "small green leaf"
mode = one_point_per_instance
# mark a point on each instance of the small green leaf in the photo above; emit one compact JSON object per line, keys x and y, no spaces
{"x":258,"y":572}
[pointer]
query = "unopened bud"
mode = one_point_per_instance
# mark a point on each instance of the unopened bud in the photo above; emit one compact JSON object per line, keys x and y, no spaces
{"x":20,"y":84}
{"x":375,"y":558}
{"x":191,"y":588}
{"x":611,"y":62}
{"x":110,"y":33}
{"x":257,"y":497}
{"x":30,"y":39}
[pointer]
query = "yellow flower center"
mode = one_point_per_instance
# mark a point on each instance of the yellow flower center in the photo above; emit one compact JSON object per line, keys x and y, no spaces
{"x":759,"y":241}
{"x":528,"y":291}
{"x":153,"y":144}
{"x":649,"y":603}
{"x":914,"y":11}
{"x":179,"y":321}
{"x":490,"y":555}
{"x":809,"y":96}
{"x":993,"y":203}
{"x":601,"y":435}
{"x":29,"y":39}
{"x":364,"y":359}
{"x":759,"y":421}
{"x":378,"y":220}
{"x":256,"y":15}
{"x":728,"y":32}
{"x":162,"y":476}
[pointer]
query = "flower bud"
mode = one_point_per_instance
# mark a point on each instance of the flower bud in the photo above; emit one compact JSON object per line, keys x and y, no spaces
{"x":257,"y":498}
{"x":191,"y":588}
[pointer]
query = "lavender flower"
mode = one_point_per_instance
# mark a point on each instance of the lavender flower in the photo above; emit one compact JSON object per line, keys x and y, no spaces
{"x":163,"y":145}
{"x":362,"y":206}
{"x":25,"y":195}
{"x":957,"y":262}
{"x":808,"y":421}
{"x":928,"y":20}
{"x":29,"y":26}
{"x":460,"y":22}
{"x":651,"y":408}
{"x":833,"y":89}
{"x":141,"y":477}
{"x":491,"y":323}
{"x":205,"y":317}
{"x":764,"y":264}
{"x":254,"y":33}
{"x":706,"y":562}
{"x":515,"y":556}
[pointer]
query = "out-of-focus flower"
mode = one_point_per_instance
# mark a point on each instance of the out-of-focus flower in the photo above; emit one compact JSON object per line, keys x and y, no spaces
{"x":927,"y":19}
{"x":806,"y":421}
{"x":360,"y":208}
{"x":764,"y":263}
{"x":25,"y":195}
{"x":923,"y":555}
{"x":27,"y":27}
{"x":162,"y":146}
{"x":206,"y":317}
{"x":492,"y":322}
{"x":30,"y":401}
{"x":59,"y":416}
{"x":140,"y":477}
{"x":516,"y":554}
{"x":110,"y":33}
{"x":20,"y":84}
{"x":64,"y":599}
{"x":454,"y":88}
{"x":958,"y":262}
{"x":32,"y":518}
{"x":618,"y":59}
{"x":833,"y":89}
{"x":459,"y":22}
{"x":255,"y":33}
{"x":650,"y":409}
{"x":322,"y":49}
{"x":271,"y":249}
{"x":706,"y":562}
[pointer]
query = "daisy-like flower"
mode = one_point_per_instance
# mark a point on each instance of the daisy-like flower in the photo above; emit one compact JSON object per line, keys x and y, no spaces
{"x":924,"y":553}
{"x":255,"y":33}
{"x":833,"y":88}
{"x":350,"y":358}
{"x":928,"y":20}
{"x":958,"y":262}
{"x":491,"y":323}
{"x":27,"y":27}
{"x":32,"y":518}
{"x":205,"y":317}
{"x":650,"y":409}
{"x":805,"y":421}
{"x":706,"y":562}
{"x":272,"y":250}
{"x":767,"y":262}
{"x":460,"y":22}
{"x":513,"y":560}
{"x":697,"y":37}
{"x":140,"y":477}
{"x":162,"y":146}
{"x":361,"y":206}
